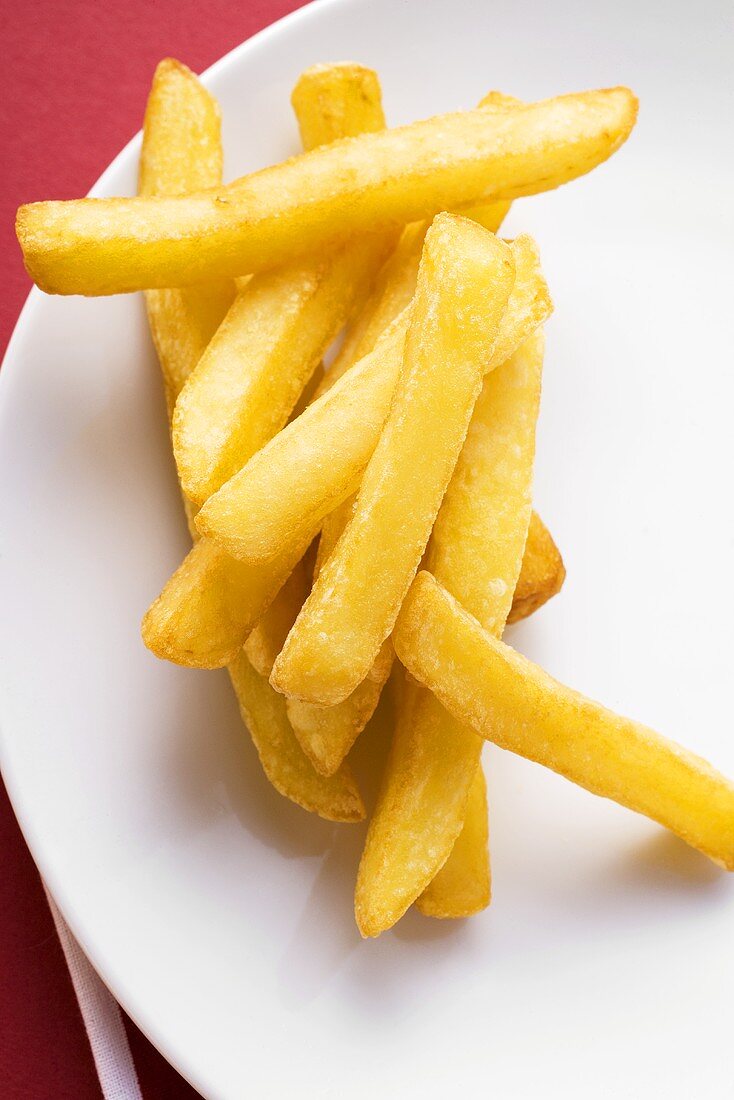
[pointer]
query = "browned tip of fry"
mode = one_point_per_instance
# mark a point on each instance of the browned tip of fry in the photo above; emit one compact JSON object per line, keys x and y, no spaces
{"x":500,"y":99}
{"x":171,"y":65}
{"x":628,"y":105}
{"x":542,"y":574}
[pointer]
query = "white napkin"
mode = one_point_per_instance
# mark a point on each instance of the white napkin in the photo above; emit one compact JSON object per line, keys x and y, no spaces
{"x":102,"y":1019}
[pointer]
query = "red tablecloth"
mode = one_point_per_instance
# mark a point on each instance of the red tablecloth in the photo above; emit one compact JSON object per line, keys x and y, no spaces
{"x":74,"y":80}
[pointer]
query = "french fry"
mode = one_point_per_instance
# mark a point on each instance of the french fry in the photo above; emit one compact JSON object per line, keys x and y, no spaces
{"x":261,"y":358}
{"x":283,"y":493}
{"x":542,"y":574}
{"x":464,"y":284}
{"x":182,"y":321}
{"x":283,"y":760}
{"x":268,"y":219}
{"x":180,"y":116}
{"x":482,"y":527}
{"x":267,"y":637}
{"x":463,"y":886}
{"x":507,"y":699}
{"x":281,"y":323}
{"x":181,"y":119}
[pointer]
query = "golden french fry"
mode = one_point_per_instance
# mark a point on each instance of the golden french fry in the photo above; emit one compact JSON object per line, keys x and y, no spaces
{"x":463,"y":885}
{"x":464,"y":284}
{"x":283,"y":493}
{"x":507,"y":699}
{"x":482,"y":526}
{"x":542,"y":574}
{"x":284,"y":763}
{"x":267,"y":637}
{"x":107,"y":246}
{"x":181,"y":116}
{"x":281,"y":323}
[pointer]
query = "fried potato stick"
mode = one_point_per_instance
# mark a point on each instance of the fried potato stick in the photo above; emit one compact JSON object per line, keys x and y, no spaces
{"x":542,"y":574}
{"x":181,"y":115}
{"x":297,"y":208}
{"x":463,"y":886}
{"x":507,"y":699}
{"x":476,"y":548}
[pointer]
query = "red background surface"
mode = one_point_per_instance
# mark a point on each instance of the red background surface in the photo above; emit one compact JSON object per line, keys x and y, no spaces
{"x":73,"y":84}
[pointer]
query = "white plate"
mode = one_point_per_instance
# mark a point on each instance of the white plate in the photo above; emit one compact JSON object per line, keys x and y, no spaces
{"x":219,"y":914}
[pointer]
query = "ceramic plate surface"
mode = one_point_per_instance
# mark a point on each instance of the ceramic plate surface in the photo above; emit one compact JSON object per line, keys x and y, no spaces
{"x":219,"y":914}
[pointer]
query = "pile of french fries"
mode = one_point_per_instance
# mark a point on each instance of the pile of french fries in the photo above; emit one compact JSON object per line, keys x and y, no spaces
{"x":379,"y":508}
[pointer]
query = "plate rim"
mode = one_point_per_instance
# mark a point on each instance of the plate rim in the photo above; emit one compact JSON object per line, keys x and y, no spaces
{"x":313,"y":9}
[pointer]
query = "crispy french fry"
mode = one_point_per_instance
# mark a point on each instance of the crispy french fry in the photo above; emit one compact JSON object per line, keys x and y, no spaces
{"x":542,"y":574}
{"x":463,"y":886}
{"x":464,"y":284}
{"x":283,"y":493}
{"x":267,"y":637}
{"x":263,"y":710}
{"x":507,"y":699}
{"x":281,"y":323}
{"x":312,"y":466}
{"x":108,"y":246}
{"x":482,"y":527}
{"x":180,"y":116}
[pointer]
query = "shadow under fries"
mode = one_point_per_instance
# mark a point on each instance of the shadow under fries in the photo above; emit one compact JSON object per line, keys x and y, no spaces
{"x":663,"y":863}
{"x":217,"y":770}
